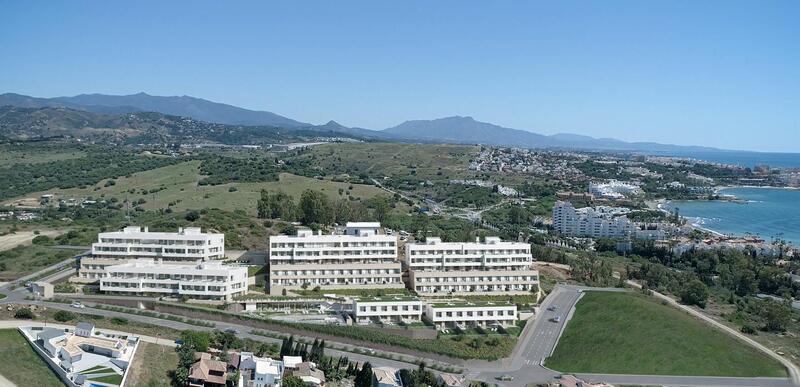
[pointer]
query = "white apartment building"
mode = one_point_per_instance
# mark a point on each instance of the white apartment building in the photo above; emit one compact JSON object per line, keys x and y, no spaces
{"x":614,"y":189}
{"x":360,"y":257}
{"x":457,"y":268}
{"x":209,"y":280}
{"x":594,"y":222}
{"x":112,"y":248}
{"x":469,"y":314}
{"x":391,"y":308}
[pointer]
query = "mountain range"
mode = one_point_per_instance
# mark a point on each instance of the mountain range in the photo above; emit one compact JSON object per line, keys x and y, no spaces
{"x":457,"y":129}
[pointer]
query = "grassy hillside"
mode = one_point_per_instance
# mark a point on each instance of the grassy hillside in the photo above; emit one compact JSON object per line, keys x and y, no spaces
{"x":177,"y":185}
{"x":628,"y":333}
{"x":20,"y":364}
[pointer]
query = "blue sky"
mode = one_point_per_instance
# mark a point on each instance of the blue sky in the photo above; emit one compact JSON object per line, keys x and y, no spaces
{"x":716,"y":73}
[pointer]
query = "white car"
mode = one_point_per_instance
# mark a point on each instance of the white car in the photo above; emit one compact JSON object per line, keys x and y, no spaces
{"x":77,"y":305}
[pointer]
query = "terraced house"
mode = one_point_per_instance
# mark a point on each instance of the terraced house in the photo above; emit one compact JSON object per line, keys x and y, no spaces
{"x":455,"y":268}
{"x":359,"y":256}
{"x":131,"y":243}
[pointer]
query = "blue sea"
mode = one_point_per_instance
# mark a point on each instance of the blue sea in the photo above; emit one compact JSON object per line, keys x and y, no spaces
{"x":766,"y":212}
{"x":741,"y":158}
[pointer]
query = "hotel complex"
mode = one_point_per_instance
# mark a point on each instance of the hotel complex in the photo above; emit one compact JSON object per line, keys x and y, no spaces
{"x":456,"y":268}
{"x":470,"y":314}
{"x":407,"y":309}
{"x":594,"y":222}
{"x":359,"y":257}
{"x":204,"y":280}
{"x":114,"y":248}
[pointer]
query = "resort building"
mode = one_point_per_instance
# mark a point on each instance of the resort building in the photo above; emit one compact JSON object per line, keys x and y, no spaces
{"x":202,"y":280}
{"x":469,"y":314}
{"x":112,"y":248}
{"x":387,"y":309}
{"x":456,"y":268}
{"x":593,"y":222}
{"x":614,"y":189}
{"x":361,"y":256}
{"x":83,"y":356}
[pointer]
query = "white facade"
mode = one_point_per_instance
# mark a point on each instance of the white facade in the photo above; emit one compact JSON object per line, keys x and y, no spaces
{"x":469,"y":314}
{"x":267,"y":373}
{"x":598,"y":222}
{"x":202,"y":280}
{"x":387,"y":309}
{"x":614,"y":189}
{"x":359,"y":257}
{"x":112,"y":248}
{"x":456,"y":268}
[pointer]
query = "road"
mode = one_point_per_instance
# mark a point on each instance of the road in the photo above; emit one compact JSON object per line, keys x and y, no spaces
{"x":536,"y":343}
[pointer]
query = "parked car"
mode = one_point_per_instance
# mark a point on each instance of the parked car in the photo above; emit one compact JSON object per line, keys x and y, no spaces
{"x":556,"y":319}
{"x":179,"y":342}
{"x":552,"y":308}
{"x":505,"y":378}
{"x":231,"y":331}
{"x":78,"y":305}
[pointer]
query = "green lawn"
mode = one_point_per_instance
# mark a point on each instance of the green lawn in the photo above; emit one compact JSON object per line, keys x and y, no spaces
{"x":20,"y":364}
{"x":628,"y":333}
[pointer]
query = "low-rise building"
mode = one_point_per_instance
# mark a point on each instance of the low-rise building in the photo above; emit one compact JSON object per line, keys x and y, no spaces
{"x":360,"y":257}
{"x":456,"y":268}
{"x":386,"y":377}
{"x":131,"y":243}
{"x":202,"y":280}
{"x":391,"y":308}
{"x":466,"y":314}
{"x":309,"y":374}
{"x":207,"y":372}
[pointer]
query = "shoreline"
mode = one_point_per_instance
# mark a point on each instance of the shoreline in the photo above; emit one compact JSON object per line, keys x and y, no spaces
{"x":722,"y":187}
{"x":691,"y":220}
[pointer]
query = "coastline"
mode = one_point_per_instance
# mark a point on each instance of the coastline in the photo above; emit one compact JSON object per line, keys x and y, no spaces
{"x":658,"y":204}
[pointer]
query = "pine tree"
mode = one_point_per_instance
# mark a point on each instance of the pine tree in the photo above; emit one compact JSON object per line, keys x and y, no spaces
{"x":364,"y":377}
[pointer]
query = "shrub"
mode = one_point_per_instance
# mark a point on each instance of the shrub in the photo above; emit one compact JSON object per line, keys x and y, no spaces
{"x":119,"y":320}
{"x":63,"y":316}
{"x":24,"y":313}
{"x":232,"y":189}
{"x":43,"y":240}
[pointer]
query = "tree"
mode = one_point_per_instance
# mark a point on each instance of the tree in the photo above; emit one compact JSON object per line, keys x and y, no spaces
{"x":192,"y":216}
{"x":776,"y":315}
{"x":63,"y":316}
{"x":314,"y":208}
{"x":24,"y":313}
{"x":293,"y":381}
{"x":196,"y":340}
{"x":287,"y":346}
{"x":696,"y":293}
{"x":364,"y":376}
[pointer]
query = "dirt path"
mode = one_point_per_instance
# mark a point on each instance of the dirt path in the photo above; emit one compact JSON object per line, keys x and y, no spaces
{"x":11,"y":241}
{"x":5,"y":382}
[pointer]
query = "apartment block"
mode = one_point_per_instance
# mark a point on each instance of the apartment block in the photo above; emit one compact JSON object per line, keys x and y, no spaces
{"x":360,"y":256}
{"x":456,"y":268}
{"x":388,"y":309}
{"x":594,"y":222}
{"x":113,"y":248}
{"x":469,"y":314}
{"x":209,"y":280}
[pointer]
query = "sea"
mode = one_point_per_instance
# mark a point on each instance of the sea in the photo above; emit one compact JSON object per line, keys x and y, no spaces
{"x":766,"y":212}
{"x":740,"y":158}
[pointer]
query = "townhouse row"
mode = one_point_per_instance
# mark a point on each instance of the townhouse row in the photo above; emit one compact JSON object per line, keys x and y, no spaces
{"x":443,"y":314}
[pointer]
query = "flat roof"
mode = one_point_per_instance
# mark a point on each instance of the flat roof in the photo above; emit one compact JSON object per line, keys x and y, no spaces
{"x":470,"y":304}
{"x":387,"y":298}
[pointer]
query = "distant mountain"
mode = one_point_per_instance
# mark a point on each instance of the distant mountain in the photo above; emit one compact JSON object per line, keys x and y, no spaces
{"x":141,"y":127}
{"x":466,"y":130}
{"x":184,"y":106}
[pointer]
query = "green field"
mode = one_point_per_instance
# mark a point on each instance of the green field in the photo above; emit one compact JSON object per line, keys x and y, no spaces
{"x":152,"y":366}
{"x":20,"y":364}
{"x":179,"y":183}
{"x":23,"y":260}
{"x":628,"y":333}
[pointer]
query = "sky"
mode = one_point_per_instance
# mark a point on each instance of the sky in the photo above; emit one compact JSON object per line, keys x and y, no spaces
{"x":714,"y":73}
